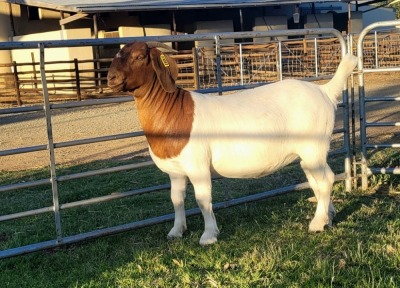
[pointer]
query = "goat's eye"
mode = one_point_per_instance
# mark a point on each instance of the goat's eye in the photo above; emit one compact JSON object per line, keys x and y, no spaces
{"x":140,"y":58}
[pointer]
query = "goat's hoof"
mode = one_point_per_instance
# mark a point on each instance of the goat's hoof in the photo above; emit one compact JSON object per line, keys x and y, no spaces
{"x":208,"y":241}
{"x":175,"y":233}
{"x":172,"y":237}
{"x":208,"y":238}
{"x":317,"y":225}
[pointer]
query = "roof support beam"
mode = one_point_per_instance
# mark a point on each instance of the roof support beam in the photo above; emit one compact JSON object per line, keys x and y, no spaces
{"x":373,"y":2}
{"x":73,"y":18}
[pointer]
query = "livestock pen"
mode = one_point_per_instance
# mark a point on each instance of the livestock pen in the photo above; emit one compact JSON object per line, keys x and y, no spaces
{"x":56,"y":181}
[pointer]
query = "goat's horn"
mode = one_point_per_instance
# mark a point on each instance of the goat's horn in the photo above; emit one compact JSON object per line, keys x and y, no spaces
{"x":154,"y":44}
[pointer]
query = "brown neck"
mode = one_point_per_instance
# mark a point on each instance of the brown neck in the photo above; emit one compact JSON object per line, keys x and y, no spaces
{"x":166,"y":119}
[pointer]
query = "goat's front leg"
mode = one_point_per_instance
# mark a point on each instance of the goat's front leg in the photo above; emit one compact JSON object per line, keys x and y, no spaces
{"x":178,"y":193}
{"x":202,"y":188}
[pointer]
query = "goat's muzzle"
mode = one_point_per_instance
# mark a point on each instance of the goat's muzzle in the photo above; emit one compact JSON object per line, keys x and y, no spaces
{"x":114,"y":82}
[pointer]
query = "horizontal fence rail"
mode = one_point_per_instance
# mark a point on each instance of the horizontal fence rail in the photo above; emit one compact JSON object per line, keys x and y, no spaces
{"x":54,"y":179}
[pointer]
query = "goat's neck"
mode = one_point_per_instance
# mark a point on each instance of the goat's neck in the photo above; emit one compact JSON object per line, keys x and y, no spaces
{"x":151,"y":95}
{"x":166,"y":119}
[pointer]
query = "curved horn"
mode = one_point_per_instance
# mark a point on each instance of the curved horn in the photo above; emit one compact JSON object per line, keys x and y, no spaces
{"x":154,"y":44}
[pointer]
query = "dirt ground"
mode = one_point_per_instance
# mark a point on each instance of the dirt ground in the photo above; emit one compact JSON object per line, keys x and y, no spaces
{"x":29,"y":129}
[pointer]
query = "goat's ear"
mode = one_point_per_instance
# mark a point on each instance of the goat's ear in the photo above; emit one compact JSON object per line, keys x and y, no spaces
{"x":166,"y":69}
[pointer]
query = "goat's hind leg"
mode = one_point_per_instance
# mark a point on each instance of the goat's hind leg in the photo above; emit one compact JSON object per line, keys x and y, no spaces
{"x":320,"y":178}
{"x":178,"y":193}
{"x":202,"y":189}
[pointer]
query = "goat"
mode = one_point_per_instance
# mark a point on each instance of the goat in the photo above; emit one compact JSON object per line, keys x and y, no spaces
{"x":243,"y":135}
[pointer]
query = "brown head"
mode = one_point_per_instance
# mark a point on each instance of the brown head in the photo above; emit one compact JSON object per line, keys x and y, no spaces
{"x":136,"y":65}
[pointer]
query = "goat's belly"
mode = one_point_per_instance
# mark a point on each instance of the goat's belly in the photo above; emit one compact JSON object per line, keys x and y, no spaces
{"x":250,"y":165}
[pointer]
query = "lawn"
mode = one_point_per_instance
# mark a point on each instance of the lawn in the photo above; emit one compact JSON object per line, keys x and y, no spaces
{"x":262,"y":244}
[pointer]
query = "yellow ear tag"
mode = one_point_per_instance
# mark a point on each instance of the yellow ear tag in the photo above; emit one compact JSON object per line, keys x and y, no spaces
{"x":164,"y":60}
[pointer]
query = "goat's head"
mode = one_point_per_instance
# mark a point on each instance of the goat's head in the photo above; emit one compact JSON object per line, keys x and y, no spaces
{"x":137,"y":63}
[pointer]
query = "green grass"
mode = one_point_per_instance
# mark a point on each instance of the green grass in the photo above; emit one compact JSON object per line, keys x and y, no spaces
{"x":262,"y":244}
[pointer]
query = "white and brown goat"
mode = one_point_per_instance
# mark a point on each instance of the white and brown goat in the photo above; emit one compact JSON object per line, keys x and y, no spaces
{"x":243,"y":135}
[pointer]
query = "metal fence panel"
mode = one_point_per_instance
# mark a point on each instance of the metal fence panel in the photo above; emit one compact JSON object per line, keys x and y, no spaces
{"x":365,"y":46}
{"x":54,"y":179}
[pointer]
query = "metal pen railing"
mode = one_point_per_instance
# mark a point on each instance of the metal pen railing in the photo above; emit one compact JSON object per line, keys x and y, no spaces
{"x":54,"y":179}
{"x":364,"y":120}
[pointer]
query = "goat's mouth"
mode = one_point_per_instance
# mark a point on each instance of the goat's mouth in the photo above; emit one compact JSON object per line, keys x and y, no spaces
{"x":117,"y":87}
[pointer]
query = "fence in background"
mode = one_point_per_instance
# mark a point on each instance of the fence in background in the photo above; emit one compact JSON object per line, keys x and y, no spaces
{"x":380,"y":48}
{"x":241,"y":64}
{"x":54,"y":179}
{"x":249,"y":64}
{"x":74,"y":82}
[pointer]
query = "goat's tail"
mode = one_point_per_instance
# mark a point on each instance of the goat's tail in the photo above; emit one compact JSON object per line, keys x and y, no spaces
{"x":335,"y":86}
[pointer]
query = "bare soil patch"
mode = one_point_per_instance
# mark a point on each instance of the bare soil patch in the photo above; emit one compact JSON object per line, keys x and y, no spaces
{"x":29,"y":129}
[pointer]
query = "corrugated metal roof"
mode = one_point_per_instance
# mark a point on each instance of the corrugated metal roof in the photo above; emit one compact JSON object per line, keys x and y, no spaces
{"x":93,"y":6}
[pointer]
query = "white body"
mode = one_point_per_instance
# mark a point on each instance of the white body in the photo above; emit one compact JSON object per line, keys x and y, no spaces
{"x":254,"y":133}
{"x":244,"y":135}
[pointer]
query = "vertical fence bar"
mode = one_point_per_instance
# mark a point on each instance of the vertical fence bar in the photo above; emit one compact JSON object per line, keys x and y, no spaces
{"x":363,"y":137}
{"x":34,"y":72}
{"x":353,"y":134}
{"x":350,"y":40}
{"x":241,"y":64}
{"x":77,"y":80}
{"x":376,"y":49}
{"x":97,"y":53}
{"x":346,"y":139}
{"x":361,"y":93}
{"x":280,"y":60}
{"x":218,"y":63}
{"x":316,"y":56}
{"x":53,"y":176}
{"x":196,"y":68}
{"x":346,"y":127}
{"x":16,"y":83}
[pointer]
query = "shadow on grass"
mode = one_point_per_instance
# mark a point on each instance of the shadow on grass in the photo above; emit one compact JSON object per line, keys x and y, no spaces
{"x":263,"y":238}
{"x":260,"y":243}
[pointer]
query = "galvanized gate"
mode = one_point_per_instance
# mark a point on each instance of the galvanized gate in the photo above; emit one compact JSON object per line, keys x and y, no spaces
{"x":366,"y":122}
{"x":54,"y":179}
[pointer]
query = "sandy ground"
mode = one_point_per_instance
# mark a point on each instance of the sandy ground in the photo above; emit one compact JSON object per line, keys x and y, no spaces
{"x":29,"y":129}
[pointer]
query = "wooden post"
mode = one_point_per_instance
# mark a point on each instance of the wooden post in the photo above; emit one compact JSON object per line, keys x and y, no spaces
{"x":62,"y":17}
{"x":97,"y":54}
{"x":174,"y":29}
{"x":78,"y":80}
{"x":34,"y":72}
{"x":16,"y":84}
